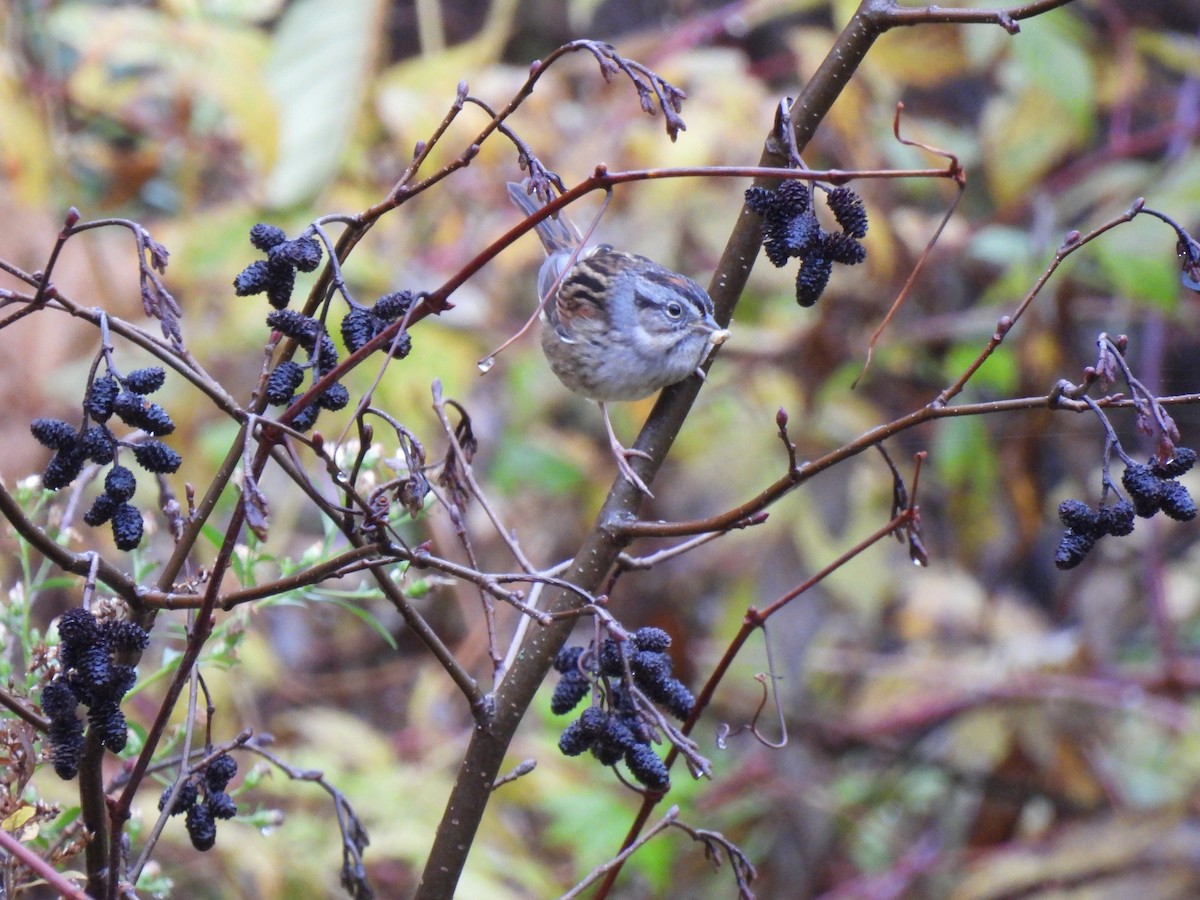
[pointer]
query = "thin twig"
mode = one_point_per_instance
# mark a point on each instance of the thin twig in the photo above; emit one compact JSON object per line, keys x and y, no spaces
{"x":26,"y":857}
{"x":597,"y":873}
{"x":1073,"y":242}
{"x":168,"y":806}
{"x":354,"y":835}
{"x":960,"y":179}
{"x":22,"y":710}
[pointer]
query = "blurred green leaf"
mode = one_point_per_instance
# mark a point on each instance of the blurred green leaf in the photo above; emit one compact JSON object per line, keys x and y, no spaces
{"x":1001,"y":245}
{"x":211,"y":533}
{"x":317,"y":112}
{"x":1141,"y":265}
{"x":963,"y":452}
{"x":356,"y":610}
{"x":998,"y":376}
{"x":1046,"y":111}
{"x":1052,"y":58}
{"x":521,"y":462}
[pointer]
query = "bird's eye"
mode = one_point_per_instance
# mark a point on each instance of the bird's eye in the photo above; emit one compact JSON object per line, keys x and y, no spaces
{"x":674,"y":310}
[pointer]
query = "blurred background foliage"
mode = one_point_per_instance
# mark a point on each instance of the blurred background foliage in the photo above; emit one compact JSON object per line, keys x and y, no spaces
{"x":986,"y":727}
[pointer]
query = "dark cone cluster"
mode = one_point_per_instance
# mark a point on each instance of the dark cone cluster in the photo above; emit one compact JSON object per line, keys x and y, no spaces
{"x":1085,"y":526}
{"x":275,"y":276}
{"x":284,"y":381}
{"x":615,"y":730}
{"x":202,"y":799}
{"x":363,"y":323}
{"x":124,"y":398}
{"x":92,"y":677}
{"x":792,"y":231}
{"x":1152,"y":488}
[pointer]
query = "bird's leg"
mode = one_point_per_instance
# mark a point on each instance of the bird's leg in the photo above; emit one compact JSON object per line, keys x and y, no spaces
{"x":623,"y":453}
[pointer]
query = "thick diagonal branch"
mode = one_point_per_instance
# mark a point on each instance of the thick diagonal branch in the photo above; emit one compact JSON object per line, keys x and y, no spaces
{"x":598,"y":554}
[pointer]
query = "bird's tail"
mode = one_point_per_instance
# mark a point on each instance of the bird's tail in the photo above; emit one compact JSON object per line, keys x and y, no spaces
{"x":556,"y":232}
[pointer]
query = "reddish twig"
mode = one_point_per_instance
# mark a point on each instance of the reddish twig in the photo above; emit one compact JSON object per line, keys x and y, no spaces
{"x":26,"y":857}
{"x":960,"y":179}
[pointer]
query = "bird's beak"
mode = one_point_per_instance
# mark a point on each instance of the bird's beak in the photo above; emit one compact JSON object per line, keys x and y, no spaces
{"x":717,"y":338}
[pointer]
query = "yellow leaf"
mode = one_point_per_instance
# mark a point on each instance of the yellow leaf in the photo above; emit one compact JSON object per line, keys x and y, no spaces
{"x":16,"y":823}
{"x":25,"y":153}
{"x":919,"y":57}
{"x":1172,"y":49}
{"x":1024,"y":137}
